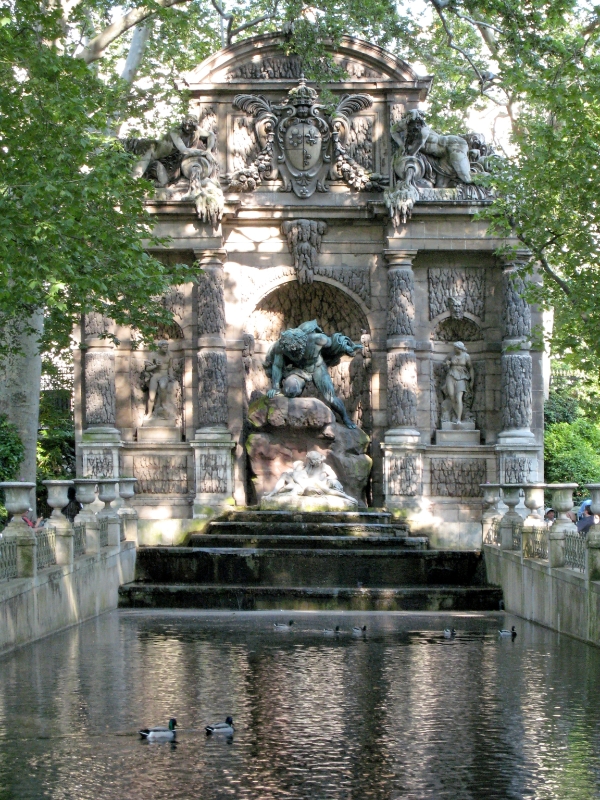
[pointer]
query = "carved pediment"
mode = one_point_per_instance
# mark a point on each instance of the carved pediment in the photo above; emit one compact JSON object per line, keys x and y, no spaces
{"x":262,"y":58}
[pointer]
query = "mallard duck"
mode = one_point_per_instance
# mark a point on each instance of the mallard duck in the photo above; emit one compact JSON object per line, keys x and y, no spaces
{"x":449,"y":633}
{"x":356,"y":631}
{"x":331,"y":631}
{"x":221,"y":728}
{"x":512,"y":632}
{"x":282,"y":626}
{"x":160,"y":733}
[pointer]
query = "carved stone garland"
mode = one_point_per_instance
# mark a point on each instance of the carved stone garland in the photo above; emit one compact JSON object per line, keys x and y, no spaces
{"x":304,"y":241}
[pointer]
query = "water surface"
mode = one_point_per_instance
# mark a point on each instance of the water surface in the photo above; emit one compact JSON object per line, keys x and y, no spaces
{"x":399,"y":713}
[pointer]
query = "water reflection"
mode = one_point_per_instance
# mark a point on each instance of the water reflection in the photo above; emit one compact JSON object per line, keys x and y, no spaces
{"x":402,"y":712}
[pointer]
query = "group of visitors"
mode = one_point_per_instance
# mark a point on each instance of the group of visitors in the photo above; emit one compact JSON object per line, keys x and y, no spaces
{"x":584,"y":518}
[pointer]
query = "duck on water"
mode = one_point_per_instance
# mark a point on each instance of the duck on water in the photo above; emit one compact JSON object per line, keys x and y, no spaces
{"x":160,"y":733}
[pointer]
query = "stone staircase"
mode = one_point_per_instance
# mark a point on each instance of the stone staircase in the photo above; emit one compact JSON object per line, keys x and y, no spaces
{"x":332,"y":560}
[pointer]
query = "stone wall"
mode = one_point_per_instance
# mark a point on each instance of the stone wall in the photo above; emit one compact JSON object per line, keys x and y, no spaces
{"x":562,"y":599}
{"x":61,"y":596}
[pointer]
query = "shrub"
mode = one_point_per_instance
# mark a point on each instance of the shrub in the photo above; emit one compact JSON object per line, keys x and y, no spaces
{"x":572,"y":453}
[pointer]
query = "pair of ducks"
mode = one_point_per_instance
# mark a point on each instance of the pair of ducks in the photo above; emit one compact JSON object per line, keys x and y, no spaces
{"x":450,"y":633}
{"x":283,"y":627}
{"x":160,"y":733}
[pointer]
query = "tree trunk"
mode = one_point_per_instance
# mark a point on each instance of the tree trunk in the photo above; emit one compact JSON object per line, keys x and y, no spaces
{"x":20,"y":380}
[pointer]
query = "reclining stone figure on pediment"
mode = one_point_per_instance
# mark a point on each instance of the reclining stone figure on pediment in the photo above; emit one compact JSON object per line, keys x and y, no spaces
{"x":427,"y":160}
{"x":186,"y":151}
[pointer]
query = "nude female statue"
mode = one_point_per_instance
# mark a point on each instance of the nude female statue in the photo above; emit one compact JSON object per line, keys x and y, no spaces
{"x":160,"y":380}
{"x":459,"y":374}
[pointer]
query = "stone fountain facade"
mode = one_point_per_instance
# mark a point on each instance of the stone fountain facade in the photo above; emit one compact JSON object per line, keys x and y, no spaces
{"x":362,"y":218}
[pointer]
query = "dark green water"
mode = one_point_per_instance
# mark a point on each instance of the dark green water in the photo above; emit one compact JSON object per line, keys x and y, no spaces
{"x":402,"y":713}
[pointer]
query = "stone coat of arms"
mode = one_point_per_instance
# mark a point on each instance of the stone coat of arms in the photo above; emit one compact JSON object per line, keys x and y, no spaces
{"x":302,"y":143}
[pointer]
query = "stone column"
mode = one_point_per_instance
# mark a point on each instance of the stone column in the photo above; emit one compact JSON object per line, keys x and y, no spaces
{"x":401,"y":359}
{"x":101,"y":439}
{"x":402,"y":467}
{"x":213,"y":442}
{"x":516,"y":364}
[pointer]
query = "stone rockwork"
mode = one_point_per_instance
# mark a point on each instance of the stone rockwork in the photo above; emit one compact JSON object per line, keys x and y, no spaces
{"x":285,"y":429}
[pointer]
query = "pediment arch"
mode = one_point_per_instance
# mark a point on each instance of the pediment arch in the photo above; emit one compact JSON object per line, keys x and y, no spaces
{"x":262,"y":58}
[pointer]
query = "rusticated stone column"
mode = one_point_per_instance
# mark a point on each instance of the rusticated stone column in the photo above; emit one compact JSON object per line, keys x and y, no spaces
{"x":516,"y":366}
{"x":101,"y":438}
{"x":402,"y":468}
{"x":401,"y":359}
{"x":213,"y":442}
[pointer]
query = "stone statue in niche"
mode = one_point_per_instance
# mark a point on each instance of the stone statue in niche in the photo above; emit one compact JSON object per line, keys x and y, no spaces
{"x":460,"y":379}
{"x":187,"y":151}
{"x":302,"y":355}
{"x":314,"y":478}
{"x":365,"y":340}
{"x":426,"y":159}
{"x":158,"y":378}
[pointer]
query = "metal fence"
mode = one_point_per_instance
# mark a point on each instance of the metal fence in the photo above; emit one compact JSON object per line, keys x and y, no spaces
{"x":492,"y":535}
{"x":46,"y":546}
{"x":103,"y":531}
{"x":575,"y":550}
{"x":79,"y":539}
{"x":8,"y":558}
{"x":517,"y":535}
{"x":535,"y":543}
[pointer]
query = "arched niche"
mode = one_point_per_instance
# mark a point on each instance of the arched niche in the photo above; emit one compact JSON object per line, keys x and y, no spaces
{"x":291,"y":304}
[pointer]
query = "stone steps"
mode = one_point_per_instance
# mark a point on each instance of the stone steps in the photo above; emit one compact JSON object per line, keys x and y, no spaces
{"x":255,"y":515}
{"x":387,"y":567}
{"x":250,"y":598}
{"x":282,"y":529}
{"x":255,"y":559}
{"x":292,"y":541}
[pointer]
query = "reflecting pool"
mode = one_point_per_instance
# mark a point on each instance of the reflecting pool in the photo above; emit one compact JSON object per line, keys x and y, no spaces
{"x":400,"y":712}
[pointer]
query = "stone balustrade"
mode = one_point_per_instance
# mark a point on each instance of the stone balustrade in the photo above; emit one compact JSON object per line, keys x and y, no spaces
{"x":549,"y":574}
{"x":24,"y":551}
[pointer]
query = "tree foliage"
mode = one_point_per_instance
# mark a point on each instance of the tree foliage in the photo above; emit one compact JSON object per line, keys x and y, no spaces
{"x":74,"y":72}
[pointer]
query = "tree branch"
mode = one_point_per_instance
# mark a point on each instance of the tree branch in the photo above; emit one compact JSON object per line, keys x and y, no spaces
{"x":96,"y":47}
{"x":141,"y":34}
{"x":231,"y":31}
{"x":450,"y":36}
{"x":560,"y":282}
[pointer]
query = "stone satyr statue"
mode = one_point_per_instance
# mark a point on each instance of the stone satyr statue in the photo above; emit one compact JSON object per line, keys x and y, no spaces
{"x":303,"y":354}
{"x":159,"y":379}
{"x":460,"y":374}
{"x":312,"y":479}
